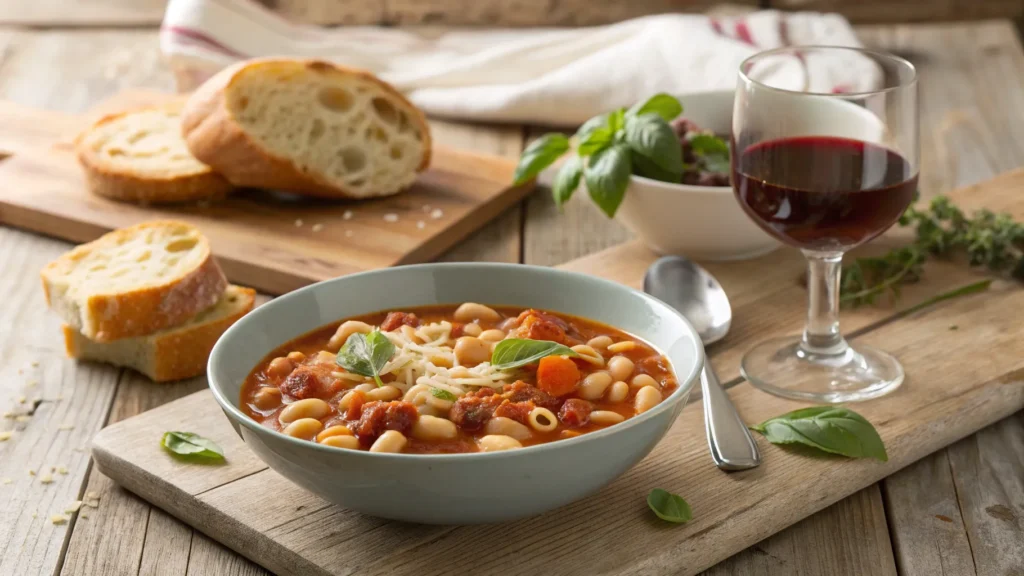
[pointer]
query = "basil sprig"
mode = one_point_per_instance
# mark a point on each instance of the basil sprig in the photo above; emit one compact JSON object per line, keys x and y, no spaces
{"x":515,"y":352}
{"x":443,"y":394}
{"x":191,"y":445}
{"x":609,"y":148}
{"x":366,"y":354}
{"x":669,"y":507}
{"x":830,"y":429}
{"x":712,"y":150}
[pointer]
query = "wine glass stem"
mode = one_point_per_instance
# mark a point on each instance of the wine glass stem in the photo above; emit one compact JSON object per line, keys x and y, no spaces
{"x":821,"y":335}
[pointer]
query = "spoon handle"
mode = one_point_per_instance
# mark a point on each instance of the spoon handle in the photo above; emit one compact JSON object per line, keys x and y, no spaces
{"x":732,"y":446}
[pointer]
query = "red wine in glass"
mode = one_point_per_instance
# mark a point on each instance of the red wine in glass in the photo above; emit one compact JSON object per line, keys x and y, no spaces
{"x":823,"y":192}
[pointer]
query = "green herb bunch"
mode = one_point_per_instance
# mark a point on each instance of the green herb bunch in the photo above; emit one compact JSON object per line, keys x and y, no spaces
{"x":994,"y":241}
{"x":609,"y":148}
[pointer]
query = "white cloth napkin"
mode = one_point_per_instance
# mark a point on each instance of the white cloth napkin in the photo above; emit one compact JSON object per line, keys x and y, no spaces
{"x":543,"y":76}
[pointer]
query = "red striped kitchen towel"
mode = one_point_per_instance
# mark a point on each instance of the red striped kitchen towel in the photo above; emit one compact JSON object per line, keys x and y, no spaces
{"x":544,"y":76}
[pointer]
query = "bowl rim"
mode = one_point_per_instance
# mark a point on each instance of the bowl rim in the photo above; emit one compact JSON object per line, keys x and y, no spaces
{"x":234,"y":413}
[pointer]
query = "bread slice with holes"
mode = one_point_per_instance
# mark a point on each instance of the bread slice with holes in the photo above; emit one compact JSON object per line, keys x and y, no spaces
{"x":307,"y":126}
{"x":134,"y":281}
{"x":140,"y":157}
{"x":171,"y":354}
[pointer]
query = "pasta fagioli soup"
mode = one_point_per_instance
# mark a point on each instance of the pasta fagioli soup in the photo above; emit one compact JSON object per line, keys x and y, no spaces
{"x":451,"y":379}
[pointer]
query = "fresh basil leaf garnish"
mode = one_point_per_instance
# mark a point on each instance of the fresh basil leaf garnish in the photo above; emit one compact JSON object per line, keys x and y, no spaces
{"x":596,"y":141}
{"x":539,"y":155}
{"x":607,"y":175}
{"x":668,"y":107}
{"x":831,"y":429}
{"x":567,"y":180}
{"x":644,"y":166}
{"x":515,"y":352}
{"x":591,"y":125}
{"x":191,"y":445}
{"x":366,"y":354}
{"x":443,"y":394}
{"x":650,"y":136}
{"x":669,"y":507}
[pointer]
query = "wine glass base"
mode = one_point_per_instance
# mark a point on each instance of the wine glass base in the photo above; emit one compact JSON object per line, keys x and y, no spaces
{"x":781,"y":367}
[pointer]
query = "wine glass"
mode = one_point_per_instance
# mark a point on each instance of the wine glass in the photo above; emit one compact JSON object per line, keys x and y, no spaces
{"x":824,"y":168}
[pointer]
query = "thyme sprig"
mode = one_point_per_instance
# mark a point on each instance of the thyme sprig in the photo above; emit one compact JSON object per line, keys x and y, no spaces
{"x":992,"y":240}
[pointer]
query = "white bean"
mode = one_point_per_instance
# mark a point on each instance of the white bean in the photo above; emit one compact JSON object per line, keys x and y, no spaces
{"x":390,"y":441}
{"x":618,"y":392}
{"x":620,"y":367}
{"x":496,"y":442}
{"x":599,"y":342}
{"x":433,"y":428}
{"x":339,"y":430}
{"x":606,"y":417}
{"x":280,"y":367}
{"x":348,"y":442}
{"x":471,"y":311}
{"x":594,"y":385}
{"x":492,"y":335}
{"x":347,"y":328}
{"x":267,"y":398}
{"x":470,"y":351}
{"x":643,"y":380}
{"x":308,"y":408}
{"x":384,"y":393}
{"x":507,"y":427}
{"x":624,"y":346}
{"x":472,"y":329}
{"x":305,"y":428}
{"x":646,"y":398}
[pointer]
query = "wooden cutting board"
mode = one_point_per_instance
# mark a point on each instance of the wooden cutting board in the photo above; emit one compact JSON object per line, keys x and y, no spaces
{"x":273,"y":242}
{"x":964,"y":360}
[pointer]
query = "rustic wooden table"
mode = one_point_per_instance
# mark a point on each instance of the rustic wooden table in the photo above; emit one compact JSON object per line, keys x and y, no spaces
{"x":959,"y":511}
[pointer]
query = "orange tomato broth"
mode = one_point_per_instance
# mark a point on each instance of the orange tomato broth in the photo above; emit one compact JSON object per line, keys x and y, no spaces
{"x":646,"y":360}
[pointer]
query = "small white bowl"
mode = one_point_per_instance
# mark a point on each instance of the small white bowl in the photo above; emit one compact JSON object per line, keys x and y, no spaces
{"x":707,"y":222}
{"x":704,"y":222}
{"x":457,"y":488}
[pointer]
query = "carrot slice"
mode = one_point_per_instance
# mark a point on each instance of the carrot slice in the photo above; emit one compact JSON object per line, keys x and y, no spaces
{"x":557,"y":375}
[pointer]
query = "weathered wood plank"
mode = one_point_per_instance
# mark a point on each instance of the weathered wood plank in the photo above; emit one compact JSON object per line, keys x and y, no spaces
{"x":968,"y":73}
{"x":924,"y":519}
{"x":52,"y":407}
{"x":988,"y":471}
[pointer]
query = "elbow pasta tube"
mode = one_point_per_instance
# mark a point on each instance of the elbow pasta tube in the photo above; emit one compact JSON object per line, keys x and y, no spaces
{"x":542,"y":419}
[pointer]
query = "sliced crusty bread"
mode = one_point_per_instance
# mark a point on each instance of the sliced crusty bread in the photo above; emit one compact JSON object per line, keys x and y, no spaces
{"x":170,"y":354}
{"x":139,"y":156}
{"x":307,"y":126}
{"x":134,"y":281}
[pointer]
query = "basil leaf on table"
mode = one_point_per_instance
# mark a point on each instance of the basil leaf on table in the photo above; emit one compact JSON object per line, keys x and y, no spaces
{"x":539,"y":155}
{"x":443,"y":394}
{"x":652,"y":137}
{"x":515,"y":352}
{"x":828,"y":428}
{"x":669,"y":507}
{"x":662,"y":104}
{"x":567,"y":180}
{"x":713,"y":150}
{"x":366,"y":354}
{"x":607,"y":175}
{"x":191,"y":445}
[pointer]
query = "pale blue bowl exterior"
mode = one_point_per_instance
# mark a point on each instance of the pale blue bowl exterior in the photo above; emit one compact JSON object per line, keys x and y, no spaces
{"x":456,"y":488}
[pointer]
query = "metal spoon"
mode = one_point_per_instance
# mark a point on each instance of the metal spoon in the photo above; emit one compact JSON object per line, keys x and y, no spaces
{"x":696,"y":294}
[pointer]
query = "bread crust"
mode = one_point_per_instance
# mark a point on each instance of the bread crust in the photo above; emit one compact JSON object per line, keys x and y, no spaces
{"x":105,"y":317}
{"x":130,"y":186}
{"x":215,"y":138}
{"x":173,"y":354}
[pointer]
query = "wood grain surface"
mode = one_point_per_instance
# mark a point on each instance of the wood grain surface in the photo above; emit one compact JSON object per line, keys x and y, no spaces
{"x":276,"y":242}
{"x":70,"y":69}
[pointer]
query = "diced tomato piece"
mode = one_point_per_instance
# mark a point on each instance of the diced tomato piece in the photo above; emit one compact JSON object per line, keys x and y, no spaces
{"x":355,"y":405}
{"x":557,"y":375}
{"x":309,"y":382}
{"x":471,"y":412}
{"x":575,"y":412}
{"x":518,"y":411}
{"x":523,"y":392}
{"x":396,"y":319}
